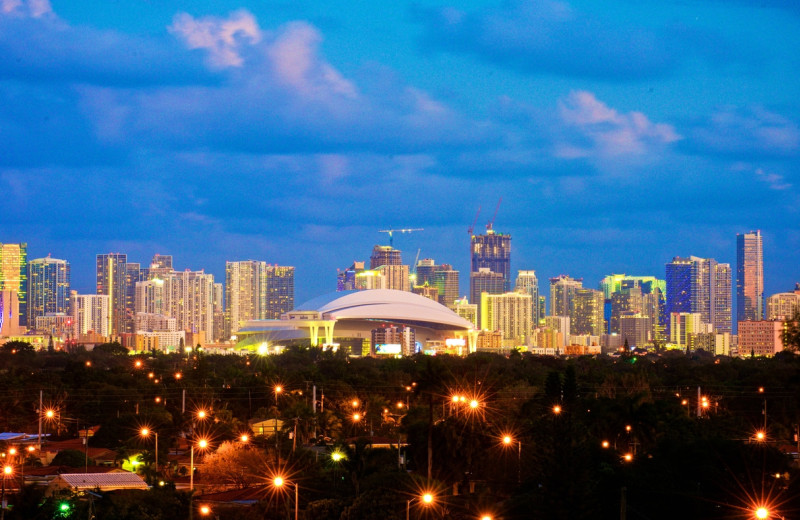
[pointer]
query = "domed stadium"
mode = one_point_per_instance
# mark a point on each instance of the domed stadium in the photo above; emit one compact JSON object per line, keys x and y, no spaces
{"x":377,"y":321}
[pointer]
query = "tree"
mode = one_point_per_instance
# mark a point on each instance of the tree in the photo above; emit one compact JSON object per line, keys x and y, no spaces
{"x":791,"y":333}
{"x":72,"y":458}
{"x":234,"y":465}
{"x":114,"y":349}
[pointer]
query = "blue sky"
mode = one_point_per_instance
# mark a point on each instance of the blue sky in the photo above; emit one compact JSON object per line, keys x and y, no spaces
{"x":619,"y":134}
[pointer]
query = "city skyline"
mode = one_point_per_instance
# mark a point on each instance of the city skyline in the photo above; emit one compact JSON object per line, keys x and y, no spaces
{"x":618,"y":135}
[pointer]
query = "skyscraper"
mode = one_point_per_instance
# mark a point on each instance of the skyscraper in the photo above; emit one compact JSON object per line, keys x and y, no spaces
{"x":703,"y":286}
{"x":189,"y":298}
{"x":49,"y":288}
{"x":749,"y":277}
{"x":586,"y":312}
{"x":562,"y":292}
{"x":509,"y":313}
{"x":111,"y":280}
{"x":384,"y":255}
{"x":255,"y":290}
{"x":90,"y":313}
{"x":278,"y":288}
{"x":446,"y":280}
{"x":528,"y":283}
{"x":484,"y":281}
{"x":492,"y":251}
{"x":14,"y":278}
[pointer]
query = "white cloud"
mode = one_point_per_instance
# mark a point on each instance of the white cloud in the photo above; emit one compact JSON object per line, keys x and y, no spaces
{"x":32,"y":8}
{"x":607,"y":132}
{"x":221,"y":37}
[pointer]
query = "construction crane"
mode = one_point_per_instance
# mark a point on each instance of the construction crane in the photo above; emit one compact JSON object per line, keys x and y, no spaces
{"x":392,"y":231}
{"x":490,"y":224}
{"x":472,"y":227}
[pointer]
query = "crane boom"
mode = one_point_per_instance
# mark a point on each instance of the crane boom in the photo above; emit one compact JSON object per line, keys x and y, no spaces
{"x":472,"y":227}
{"x":392,"y":231}
{"x":490,"y":224}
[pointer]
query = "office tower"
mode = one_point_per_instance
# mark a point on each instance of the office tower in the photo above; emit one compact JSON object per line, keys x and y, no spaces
{"x":111,"y":280}
{"x":426,"y":291}
{"x":425,"y":269}
{"x":635,"y":329}
{"x":528,"y":283}
{"x":682,"y":324}
{"x":189,"y":298}
{"x":162,"y":261}
{"x":700,"y":285}
{"x":484,"y":281}
{"x":509,"y":313}
{"x":133,"y":274}
{"x":277,"y":283}
{"x":586,"y":312}
{"x":9,"y":314}
{"x":395,"y":277}
{"x":625,"y":301}
{"x":749,"y":277}
{"x":384,"y":255}
{"x":562,"y":292}
{"x":160,"y":266}
{"x":542,"y":310}
{"x":48,"y":284}
{"x":14,"y":278}
{"x":346,"y":280}
{"x":783,"y":306}
{"x":90,"y":314}
{"x":492,"y":251}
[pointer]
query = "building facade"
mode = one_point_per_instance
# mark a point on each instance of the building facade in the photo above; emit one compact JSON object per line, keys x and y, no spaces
{"x":492,"y":251}
{"x":562,"y":293}
{"x":749,"y":277}
{"x":700,"y":285}
{"x":90,"y":314}
{"x":111,"y":273}
{"x":760,"y":338}
{"x":49,"y":289}
{"x":14,"y":278}
{"x":509,"y":313}
{"x":586,"y":312}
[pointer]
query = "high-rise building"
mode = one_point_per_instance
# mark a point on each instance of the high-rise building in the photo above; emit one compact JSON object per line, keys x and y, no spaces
{"x":111,"y":281}
{"x":48,"y":283}
{"x":385,"y":255}
{"x":700,"y":285}
{"x":484,"y":281}
{"x":467,"y":310}
{"x":220,"y":333}
{"x":149,"y":297}
{"x":682,"y":324}
{"x":425,"y":269}
{"x":189,"y":298}
{"x":346,"y":279}
{"x":528,"y":283}
{"x":562,"y":292}
{"x":393,"y":341}
{"x":635,"y":329}
{"x":9,"y":314}
{"x":783,"y":306}
{"x":14,"y":278}
{"x":615,"y":283}
{"x":492,"y":251}
{"x":749,"y":277}
{"x":278,"y":289}
{"x":133,"y":274}
{"x":586,"y":312}
{"x":90,"y":313}
{"x":760,"y":338}
{"x":509,"y":313}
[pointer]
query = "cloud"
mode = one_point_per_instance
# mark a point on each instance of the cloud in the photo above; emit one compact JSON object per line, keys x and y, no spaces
{"x":747,"y":132}
{"x":607,"y":132}
{"x":552,"y":37}
{"x":25,"y":8}
{"x":221,"y":37}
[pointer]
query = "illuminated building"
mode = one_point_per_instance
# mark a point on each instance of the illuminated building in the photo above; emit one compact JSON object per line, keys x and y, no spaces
{"x":14,"y":278}
{"x":527,"y":282}
{"x":562,"y":292}
{"x":432,"y":293}
{"x":760,"y":338}
{"x":58,"y":325}
{"x":586,"y":312}
{"x":425,"y":269}
{"x":550,"y":340}
{"x":749,"y":277}
{"x":346,"y":280}
{"x":90,"y":313}
{"x":509,"y":313}
{"x":133,"y":274}
{"x":393,"y":340}
{"x":385,"y":255}
{"x":684,"y":323}
{"x":615,"y":283}
{"x":446,"y":280}
{"x":559,"y":324}
{"x":48,"y":286}
{"x":700,"y":285}
{"x":149,"y":296}
{"x":256,"y":290}
{"x":491,"y":251}
{"x":468,"y":311}
{"x":369,"y":279}
{"x":783,"y":306}
{"x":484,"y":281}
{"x":9,"y":314}
{"x":111,"y":280}
{"x":635,"y":329}
{"x":632,"y":300}
{"x":189,"y":298}
{"x":220,"y":333}
{"x":146,"y":322}
{"x":395,"y":277}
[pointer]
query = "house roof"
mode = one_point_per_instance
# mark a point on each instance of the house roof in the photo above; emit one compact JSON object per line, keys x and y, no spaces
{"x":102,"y":480}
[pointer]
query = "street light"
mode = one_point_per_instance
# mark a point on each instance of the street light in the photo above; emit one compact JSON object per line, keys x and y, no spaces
{"x":556,"y":409}
{"x":425,"y":499}
{"x":508,"y":440}
{"x":145,"y":432}
{"x":762,"y":512}
{"x":8,"y":471}
{"x":205,"y":510}
{"x":201,"y":445}
{"x":279,"y":482}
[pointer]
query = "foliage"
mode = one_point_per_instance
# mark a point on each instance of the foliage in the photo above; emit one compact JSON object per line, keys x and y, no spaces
{"x":791,"y":334}
{"x":233,"y":465}
{"x":72,"y":458}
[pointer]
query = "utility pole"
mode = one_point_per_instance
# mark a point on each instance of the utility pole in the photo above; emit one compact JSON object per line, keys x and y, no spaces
{"x":40,"y":419}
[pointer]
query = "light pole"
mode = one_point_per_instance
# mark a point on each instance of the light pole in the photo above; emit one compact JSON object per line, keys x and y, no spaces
{"x":7,"y":472}
{"x":279,"y":482}
{"x":278,"y":389}
{"x":201,"y":444}
{"x":146,"y":433}
{"x":508,"y":440}
{"x":426,"y":499}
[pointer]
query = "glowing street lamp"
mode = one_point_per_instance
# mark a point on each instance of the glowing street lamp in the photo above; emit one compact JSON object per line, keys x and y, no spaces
{"x":474,"y":404}
{"x":762,"y":512}
{"x":761,"y":436}
{"x":508,"y":440}
{"x":145,"y":432}
{"x":605,"y":444}
{"x":279,"y":482}
{"x":8,"y":471}
{"x":202,"y":444}
{"x":556,"y":409}
{"x":425,"y":499}
{"x":205,"y":510}
{"x":628,"y":457}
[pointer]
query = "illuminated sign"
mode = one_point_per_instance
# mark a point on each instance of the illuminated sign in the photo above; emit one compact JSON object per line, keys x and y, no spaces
{"x":389,"y":348}
{"x":455,"y":342}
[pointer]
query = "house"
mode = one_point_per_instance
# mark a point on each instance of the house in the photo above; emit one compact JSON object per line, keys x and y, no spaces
{"x":90,"y":481}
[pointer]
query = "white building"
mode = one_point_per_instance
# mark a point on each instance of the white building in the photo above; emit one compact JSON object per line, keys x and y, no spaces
{"x":509,"y":313}
{"x":90,"y":313}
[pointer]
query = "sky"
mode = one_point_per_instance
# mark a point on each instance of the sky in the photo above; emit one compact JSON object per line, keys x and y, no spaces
{"x":618,"y":134}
